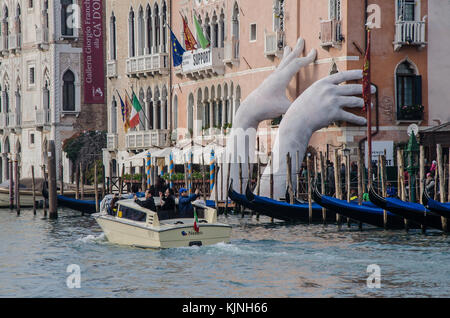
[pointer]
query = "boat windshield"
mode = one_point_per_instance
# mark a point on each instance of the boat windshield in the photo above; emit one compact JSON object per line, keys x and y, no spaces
{"x":126,"y":212}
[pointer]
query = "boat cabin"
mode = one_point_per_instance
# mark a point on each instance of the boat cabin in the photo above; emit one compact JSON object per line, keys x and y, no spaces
{"x":128,"y":209}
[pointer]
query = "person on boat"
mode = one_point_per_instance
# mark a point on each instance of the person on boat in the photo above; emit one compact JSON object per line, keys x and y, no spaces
{"x":186,"y":210}
{"x":429,"y":185}
{"x":168,"y":202}
{"x":148,"y":203}
{"x":113,"y":205}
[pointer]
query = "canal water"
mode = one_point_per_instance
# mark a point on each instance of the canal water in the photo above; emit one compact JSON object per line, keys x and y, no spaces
{"x":263,"y":260}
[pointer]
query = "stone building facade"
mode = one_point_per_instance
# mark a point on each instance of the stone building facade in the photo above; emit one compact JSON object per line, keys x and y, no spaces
{"x":41,"y":78}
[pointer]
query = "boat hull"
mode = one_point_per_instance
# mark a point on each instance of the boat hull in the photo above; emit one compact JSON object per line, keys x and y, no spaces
{"x":413,"y":212}
{"x":130,"y":233}
{"x":362,"y":213}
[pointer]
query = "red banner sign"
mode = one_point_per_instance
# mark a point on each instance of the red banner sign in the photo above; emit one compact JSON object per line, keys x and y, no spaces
{"x":94,"y":77}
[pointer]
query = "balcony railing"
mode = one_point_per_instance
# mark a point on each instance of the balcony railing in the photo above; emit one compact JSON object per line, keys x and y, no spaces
{"x":409,"y":33}
{"x":410,"y":113}
{"x":15,"y":41}
{"x":42,"y":37}
{"x":111,"y":68}
{"x":330,"y":33}
{"x":273,"y":43}
{"x":42,"y":117}
{"x":147,"y":139}
{"x":4,"y":47}
{"x":203,"y":63}
{"x":14,"y":120}
{"x":112,"y":142}
{"x":3,"y":121}
{"x":231,"y":51}
{"x":148,"y":64}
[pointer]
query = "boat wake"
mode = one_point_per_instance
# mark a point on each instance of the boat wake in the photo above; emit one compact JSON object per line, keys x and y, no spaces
{"x":101,"y":238}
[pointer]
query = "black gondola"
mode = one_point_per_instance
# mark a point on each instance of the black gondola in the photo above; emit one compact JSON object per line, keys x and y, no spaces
{"x":85,"y":206}
{"x":361,"y":213}
{"x":442,"y":209}
{"x":413,"y":212}
{"x":298,"y":212}
{"x":240,"y":199}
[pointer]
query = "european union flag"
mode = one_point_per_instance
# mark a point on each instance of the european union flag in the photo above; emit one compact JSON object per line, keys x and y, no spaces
{"x":177,"y":50}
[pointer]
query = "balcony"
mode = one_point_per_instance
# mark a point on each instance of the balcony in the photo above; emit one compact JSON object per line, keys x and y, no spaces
{"x":112,"y":142}
{"x":15,"y":42}
{"x":409,"y":33}
{"x":3,"y":121}
{"x":111,"y":69}
{"x":14,"y":120}
{"x":145,"y":65}
{"x":4,"y":47}
{"x":203,"y":63}
{"x":42,"y":118}
{"x":330,"y":33}
{"x":231,"y":51}
{"x":147,"y":139}
{"x":42,"y":38}
{"x":410,"y":113}
{"x":273,"y":43}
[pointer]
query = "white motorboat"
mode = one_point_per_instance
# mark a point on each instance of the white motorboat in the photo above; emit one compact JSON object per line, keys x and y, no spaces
{"x":136,"y":226}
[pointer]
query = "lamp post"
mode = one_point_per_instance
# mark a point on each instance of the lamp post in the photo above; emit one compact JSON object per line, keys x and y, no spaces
{"x":412,"y":151}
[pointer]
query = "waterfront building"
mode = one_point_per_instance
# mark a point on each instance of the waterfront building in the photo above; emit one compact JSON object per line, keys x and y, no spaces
{"x":199,"y":98}
{"x":42,"y":77}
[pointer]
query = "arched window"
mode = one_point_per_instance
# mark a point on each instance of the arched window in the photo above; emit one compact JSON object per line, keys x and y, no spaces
{"x":409,"y":91}
{"x":131,"y":39}
{"x":157,"y":26}
{"x":163,"y":26}
{"x":112,"y":37}
{"x":141,"y":32}
{"x":113,"y":124}
{"x":66,"y":17}
{"x":69,"y":91}
{"x":149,"y":27}
{"x":175,"y":112}
{"x":149,"y":109}
{"x":18,"y":106}
{"x":142,"y":112}
{"x":190,"y":114}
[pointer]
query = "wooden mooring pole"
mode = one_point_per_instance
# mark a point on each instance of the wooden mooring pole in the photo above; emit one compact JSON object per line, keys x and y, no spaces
{"x":441,"y":182}
{"x":61,"y":179}
{"x":337,"y":183}
{"x":52,"y":202}
{"x":422,"y":178}
{"x":11,"y":184}
{"x":323,"y":177}
{"x":16,"y":184}
{"x":33,"y":189}
{"x":45,"y":182}
{"x":401,"y":177}
{"x":95,"y":186}
{"x":309,"y":175}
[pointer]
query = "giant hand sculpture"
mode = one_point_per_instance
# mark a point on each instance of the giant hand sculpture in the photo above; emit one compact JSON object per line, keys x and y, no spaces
{"x":320,"y":105}
{"x":268,"y":101}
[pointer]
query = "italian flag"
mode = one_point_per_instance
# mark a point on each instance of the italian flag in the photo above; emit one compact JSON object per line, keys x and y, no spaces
{"x":196,"y":228}
{"x":134,"y":121}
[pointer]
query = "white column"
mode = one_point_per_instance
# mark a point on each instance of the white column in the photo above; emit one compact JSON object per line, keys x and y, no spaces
{"x":211,"y":113}
{"x":224,"y":109}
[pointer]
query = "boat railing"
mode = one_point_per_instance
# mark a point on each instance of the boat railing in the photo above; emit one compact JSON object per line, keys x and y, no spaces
{"x":152,"y":219}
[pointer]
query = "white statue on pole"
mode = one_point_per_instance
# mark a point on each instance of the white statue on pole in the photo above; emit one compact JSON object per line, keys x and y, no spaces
{"x":317,"y":107}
